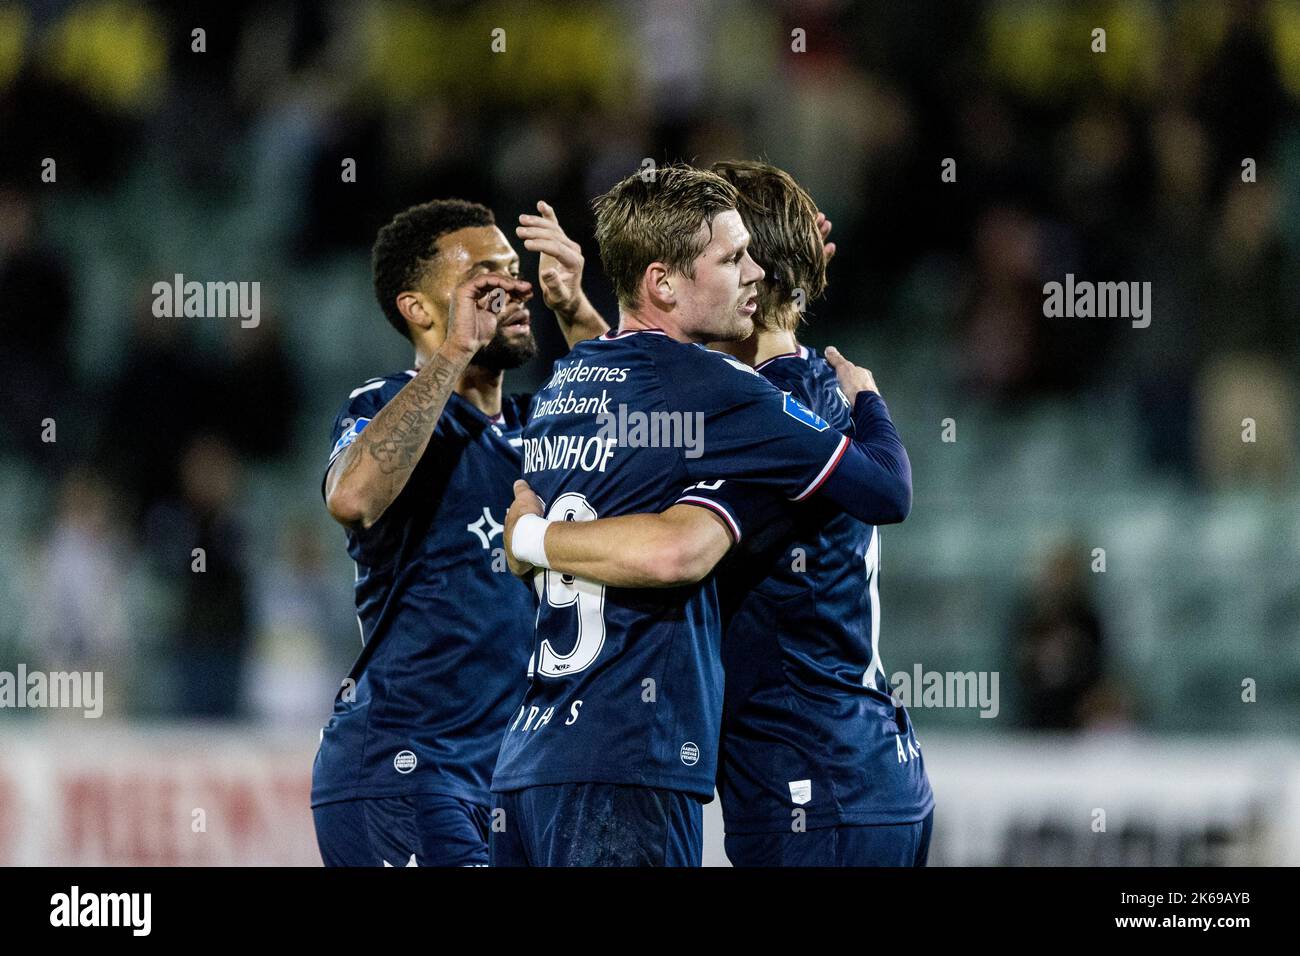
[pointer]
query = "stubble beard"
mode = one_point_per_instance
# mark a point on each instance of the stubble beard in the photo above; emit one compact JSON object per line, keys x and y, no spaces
{"x":502,"y":354}
{"x":733,"y":328}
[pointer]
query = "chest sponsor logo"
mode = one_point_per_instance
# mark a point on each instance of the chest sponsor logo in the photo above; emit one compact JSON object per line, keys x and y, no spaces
{"x":485,"y":527}
{"x":800,"y":791}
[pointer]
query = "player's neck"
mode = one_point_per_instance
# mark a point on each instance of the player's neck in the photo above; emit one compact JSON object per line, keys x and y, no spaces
{"x":771,"y":343}
{"x":481,"y":387}
{"x":647,"y":321}
{"x":764,"y":344}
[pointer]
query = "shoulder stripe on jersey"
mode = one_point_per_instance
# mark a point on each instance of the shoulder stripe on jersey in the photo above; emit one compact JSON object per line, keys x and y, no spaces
{"x":717,"y":509}
{"x":826,"y":470}
{"x":366,"y":388}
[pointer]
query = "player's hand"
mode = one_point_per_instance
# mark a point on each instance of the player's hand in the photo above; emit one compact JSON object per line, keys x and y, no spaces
{"x":560,"y":267}
{"x":526,"y":503}
{"x":824,"y":228}
{"x":477,"y":305}
{"x":853,"y":378}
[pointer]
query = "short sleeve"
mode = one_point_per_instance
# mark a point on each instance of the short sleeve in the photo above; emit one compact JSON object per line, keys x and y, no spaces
{"x":362,"y":406}
{"x":744,"y":507}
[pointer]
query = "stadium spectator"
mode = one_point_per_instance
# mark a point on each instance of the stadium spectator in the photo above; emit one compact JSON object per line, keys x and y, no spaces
{"x":1060,"y":645}
{"x":299,"y":610}
{"x":199,"y":550}
{"x":80,"y":622}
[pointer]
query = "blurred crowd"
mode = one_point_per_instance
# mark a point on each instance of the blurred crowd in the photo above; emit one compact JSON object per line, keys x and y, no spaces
{"x":1118,"y":166}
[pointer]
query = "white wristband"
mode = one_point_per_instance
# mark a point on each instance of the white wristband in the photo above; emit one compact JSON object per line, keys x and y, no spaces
{"x":528,"y":542}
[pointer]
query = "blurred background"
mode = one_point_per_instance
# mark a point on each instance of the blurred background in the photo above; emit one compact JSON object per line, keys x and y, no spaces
{"x":1157,"y":679}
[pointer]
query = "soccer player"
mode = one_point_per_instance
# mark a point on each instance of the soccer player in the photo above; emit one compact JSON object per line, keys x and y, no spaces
{"x":419,"y":475}
{"x":818,"y":766}
{"x":613,"y":750}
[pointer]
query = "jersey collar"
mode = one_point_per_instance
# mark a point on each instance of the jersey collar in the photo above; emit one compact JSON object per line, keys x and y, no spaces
{"x":611,"y":334}
{"x":801,"y":353}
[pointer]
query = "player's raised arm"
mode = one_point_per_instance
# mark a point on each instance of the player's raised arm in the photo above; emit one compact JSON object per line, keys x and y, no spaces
{"x":678,"y":546}
{"x":560,"y":273}
{"x":372,"y":471}
{"x":873,"y":480}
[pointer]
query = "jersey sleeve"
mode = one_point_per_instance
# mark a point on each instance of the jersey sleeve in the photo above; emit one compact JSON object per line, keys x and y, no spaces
{"x":743,"y":507}
{"x":874,"y":482}
{"x":362,"y":406}
{"x":748,"y":428}
{"x":822,"y":396}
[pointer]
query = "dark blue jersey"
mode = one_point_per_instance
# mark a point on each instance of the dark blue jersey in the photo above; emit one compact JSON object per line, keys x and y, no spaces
{"x":626,"y":685}
{"x":445,"y":627}
{"x":808,"y":719}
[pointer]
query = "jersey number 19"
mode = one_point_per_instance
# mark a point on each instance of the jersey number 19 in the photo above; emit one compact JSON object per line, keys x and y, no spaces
{"x":564,"y":590}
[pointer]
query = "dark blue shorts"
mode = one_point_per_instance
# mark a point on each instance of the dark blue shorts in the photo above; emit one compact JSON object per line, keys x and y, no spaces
{"x":424,"y":829}
{"x":597,"y":824}
{"x":895,"y":844}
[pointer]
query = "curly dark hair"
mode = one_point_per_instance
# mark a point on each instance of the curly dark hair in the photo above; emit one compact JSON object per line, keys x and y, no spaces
{"x":405,"y":247}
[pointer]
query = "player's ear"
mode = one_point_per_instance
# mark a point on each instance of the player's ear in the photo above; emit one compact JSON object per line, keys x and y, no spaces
{"x":657,"y":286}
{"x":417,"y":309}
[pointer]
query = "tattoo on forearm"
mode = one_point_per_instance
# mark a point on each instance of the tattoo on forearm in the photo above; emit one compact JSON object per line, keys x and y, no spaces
{"x":414,"y":412}
{"x":398,"y":434}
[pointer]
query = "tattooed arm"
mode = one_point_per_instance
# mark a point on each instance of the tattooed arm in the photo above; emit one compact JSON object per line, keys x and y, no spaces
{"x":371,"y":472}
